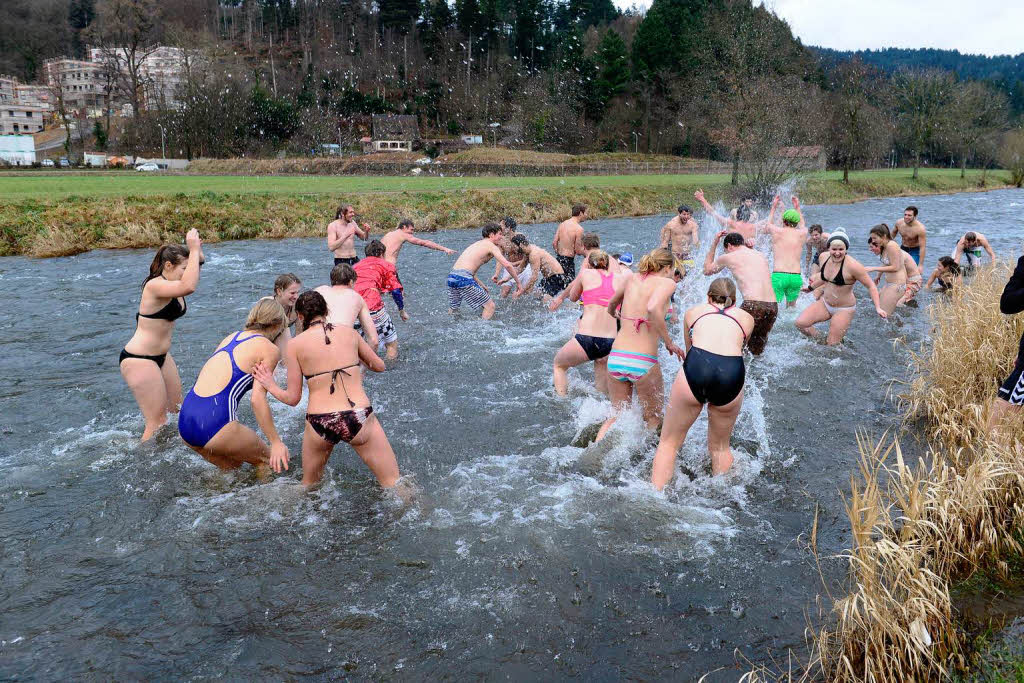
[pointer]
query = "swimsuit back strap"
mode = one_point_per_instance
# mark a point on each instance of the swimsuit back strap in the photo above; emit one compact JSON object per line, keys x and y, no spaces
{"x":719,"y":311}
{"x":334,"y":377}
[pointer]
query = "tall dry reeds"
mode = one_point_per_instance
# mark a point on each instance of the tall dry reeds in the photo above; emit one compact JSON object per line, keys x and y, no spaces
{"x":918,"y":529}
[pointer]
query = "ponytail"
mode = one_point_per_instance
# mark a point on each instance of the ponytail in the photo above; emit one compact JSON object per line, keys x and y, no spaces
{"x":722,"y":291}
{"x":654,"y":261}
{"x":168,"y":253}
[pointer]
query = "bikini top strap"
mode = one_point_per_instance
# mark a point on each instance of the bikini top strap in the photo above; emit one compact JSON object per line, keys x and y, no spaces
{"x":721,"y":311}
{"x":327,"y":327}
{"x":334,"y":377}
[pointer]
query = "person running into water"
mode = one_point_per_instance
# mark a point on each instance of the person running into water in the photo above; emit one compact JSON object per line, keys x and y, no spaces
{"x":463,"y":284}
{"x":374,"y":276}
{"x":895,"y":287}
{"x":753,"y":275}
{"x":913,"y":236}
{"x":787,"y":244}
{"x":594,"y":288}
{"x":396,"y":239}
{"x":817,"y":242}
{"x":743,"y":223}
{"x":208,"y":422}
{"x":971,"y":246}
{"x":946,"y":273}
{"x":633,"y":360}
{"x":341,"y":234}
{"x":540,"y":262}
{"x":912,"y":272}
{"x":591,"y":243}
{"x":568,"y":241}
{"x":837,"y":273}
{"x":331,"y":358}
{"x":745,"y":211}
{"x":146,"y":363}
{"x":684,"y":235}
{"x":713,"y":373}
{"x":345,"y":306}
{"x":286,"y":291}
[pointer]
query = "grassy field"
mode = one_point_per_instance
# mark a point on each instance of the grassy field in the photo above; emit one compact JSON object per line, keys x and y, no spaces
{"x":54,"y":214}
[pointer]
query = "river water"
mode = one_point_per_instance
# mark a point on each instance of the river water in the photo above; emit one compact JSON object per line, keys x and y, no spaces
{"x":128,"y":561}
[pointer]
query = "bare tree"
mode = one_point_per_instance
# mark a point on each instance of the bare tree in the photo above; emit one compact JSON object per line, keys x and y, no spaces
{"x":56,"y":89}
{"x":858,"y":130}
{"x":922,"y":108}
{"x":977,"y":114}
{"x":127,"y":32}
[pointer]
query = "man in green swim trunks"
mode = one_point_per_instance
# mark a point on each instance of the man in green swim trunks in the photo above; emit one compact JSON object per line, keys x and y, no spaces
{"x":787,"y":245}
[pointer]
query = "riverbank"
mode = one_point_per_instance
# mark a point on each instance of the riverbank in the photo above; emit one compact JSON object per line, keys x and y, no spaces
{"x":59,"y":215}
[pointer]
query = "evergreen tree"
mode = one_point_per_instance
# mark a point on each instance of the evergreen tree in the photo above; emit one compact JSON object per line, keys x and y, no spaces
{"x":468,"y":17}
{"x":527,"y":33}
{"x":437,"y":20}
{"x":80,"y":16}
{"x":613,"y":66}
{"x":668,"y":37}
{"x":400,"y":15}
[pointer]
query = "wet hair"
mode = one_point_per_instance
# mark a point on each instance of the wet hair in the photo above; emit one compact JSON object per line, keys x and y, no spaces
{"x":949,"y":264}
{"x":519,"y":240}
{"x":341,"y":274}
{"x":655,"y":260}
{"x":509,"y":223}
{"x":311,"y":305}
{"x":490,"y":229}
{"x":911,"y":208}
{"x":742,"y":213}
{"x":405,"y":223}
{"x":722,"y":291}
{"x":734,"y":239}
{"x":815,"y":228}
{"x":684,"y":207}
{"x":285,"y":281}
{"x":267,"y":314}
{"x":591,"y":240}
{"x":598,"y":259}
{"x":578,"y":209}
{"x":375,"y":248}
{"x":169,"y":253}
{"x":882,"y":230}
{"x":971,"y":237}
{"x":341,"y":210}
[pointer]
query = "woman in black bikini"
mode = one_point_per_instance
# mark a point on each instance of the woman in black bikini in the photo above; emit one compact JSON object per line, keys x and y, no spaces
{"x":146,"y":363}
{"x":713,"y":373}
{"x":328,"y":357}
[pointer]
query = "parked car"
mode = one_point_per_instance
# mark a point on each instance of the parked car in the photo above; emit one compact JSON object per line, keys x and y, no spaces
{"x":147,"y":167}
{"x":48,"y":163}
{"x":64,"y":163}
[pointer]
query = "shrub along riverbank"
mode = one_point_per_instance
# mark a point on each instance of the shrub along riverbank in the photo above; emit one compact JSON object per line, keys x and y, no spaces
{"x":103,"y":217}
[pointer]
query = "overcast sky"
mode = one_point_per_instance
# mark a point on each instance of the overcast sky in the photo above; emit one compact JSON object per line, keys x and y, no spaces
{"x":991,"y":27}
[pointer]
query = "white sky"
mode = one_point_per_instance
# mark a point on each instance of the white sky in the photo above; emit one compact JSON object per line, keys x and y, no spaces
{"x":990,"y":27}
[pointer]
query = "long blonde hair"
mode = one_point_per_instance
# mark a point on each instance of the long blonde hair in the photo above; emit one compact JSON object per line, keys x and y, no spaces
{"x":722,"y":291}
{"x":267,"y":314}
{"x":654,"y":261}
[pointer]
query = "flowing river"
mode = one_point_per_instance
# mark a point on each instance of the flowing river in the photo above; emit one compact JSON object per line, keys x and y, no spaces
{"x":131,"y":562}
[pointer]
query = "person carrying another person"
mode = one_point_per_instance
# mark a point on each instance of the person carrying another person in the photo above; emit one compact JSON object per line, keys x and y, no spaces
{"x":837,"y":273}
{"x":463,"y":284}
{"x":568,"y":240}
{"x":374,"y":276}
{"x":817,"y":242}
{"x":341,"y":234}
{"x":743,"y":223}
{"x":787,"y":244}
{"x":946,"y":273}
{"x":745,"y":211}
{"x":344,"y":305}
{"x":331,"y":359}
{"x":713,"y":373}
{"x":633,"y":359}
{"x":208,"y":422}
{"x":396,"y":239}
{"x":286,"y":291}
{"x":971,"y":246}
{"x":540,"y":263}
{"x":683,"y":233}
{"x":753,"y":275}
{"x":913,"y":236}
{"x":895,"y":287}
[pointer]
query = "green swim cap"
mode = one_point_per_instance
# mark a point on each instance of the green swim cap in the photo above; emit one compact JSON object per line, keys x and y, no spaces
{"x":791,"y":216}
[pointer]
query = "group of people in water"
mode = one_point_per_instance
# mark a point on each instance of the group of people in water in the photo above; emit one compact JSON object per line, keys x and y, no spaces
{"x":341,"y":327}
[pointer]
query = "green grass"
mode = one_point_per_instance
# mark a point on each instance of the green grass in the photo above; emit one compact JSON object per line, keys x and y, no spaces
{"x":49,"y":185}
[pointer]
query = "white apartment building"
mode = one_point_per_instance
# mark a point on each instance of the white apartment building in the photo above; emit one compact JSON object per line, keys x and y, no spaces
{"x":161,"y":73}
{"x":8,"y":85}
{"x":34,"y":96}
{"x":19,"y":119}
{"x":82,"y":83}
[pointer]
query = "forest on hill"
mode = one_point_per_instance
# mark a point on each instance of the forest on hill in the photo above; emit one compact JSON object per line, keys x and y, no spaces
{"x":721,"y":79}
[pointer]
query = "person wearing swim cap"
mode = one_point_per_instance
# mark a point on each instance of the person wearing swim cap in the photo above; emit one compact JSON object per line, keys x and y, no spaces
{"x":787,"y":245}
{"x":837,"y":273}
{"x":971,"y":246}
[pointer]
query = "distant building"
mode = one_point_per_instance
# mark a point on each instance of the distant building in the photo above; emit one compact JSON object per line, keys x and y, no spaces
{"x":810,"y":158}
{"x":19,"y":150}
{"x":83,"y":84}
{"x":161,"y":72}
{"x":34,"y":96}
{"x":8,"y":89}
{"x":393,"y":133}
{"x":20,"y":119}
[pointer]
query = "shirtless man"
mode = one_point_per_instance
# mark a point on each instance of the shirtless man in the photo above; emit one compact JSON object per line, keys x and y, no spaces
{"x":394,"y":240}
{"x":541,"y":263}
{"x":787,"y":243}
{"x":753,"y":276}
{"x":913,"y":236}
{"x":591,"y":241}
{"x":683,"y":232}
{"x":816,"y":243}
{"x":344,"y":304}
{"x":742,"y":224}
{"x":463,"y":284}
{"x":341,"y":234}
{"x":746,"y":208}
{"x":568,"y":241}
{"x":971,"y":246}
{"x":508,"y":229}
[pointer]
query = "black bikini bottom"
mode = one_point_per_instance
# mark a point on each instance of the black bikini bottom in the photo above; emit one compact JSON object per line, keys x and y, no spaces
{"x":159,"y":360}
{"x":596,"y":348}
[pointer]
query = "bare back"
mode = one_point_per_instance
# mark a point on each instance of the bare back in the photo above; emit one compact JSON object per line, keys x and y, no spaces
{"x":716,"y":332}
{"x":751,"y":271}
{"x":475,"y":255}
{"x":639,"y":294}
{"x":216,"y":372}
{"x":393,"y":242}
{"x":568,"y":238}
{"x":543,"y":262}
{"x":315,"y":356}
{"x":343,"y":304}
{"x":787,"y":248}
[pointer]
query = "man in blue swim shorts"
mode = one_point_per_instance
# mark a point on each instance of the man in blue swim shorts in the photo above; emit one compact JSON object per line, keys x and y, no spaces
{"x":913,"y":237}
{"x":463,"y":285}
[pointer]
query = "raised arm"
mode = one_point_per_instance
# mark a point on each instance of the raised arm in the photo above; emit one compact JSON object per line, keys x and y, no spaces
{"x":429,"y":245}
{"x":712,"y":266}
{"x":171,"y":289}
{"x":796,"y":205}
{"x":362,"y":233}
{"x":699,"y":196}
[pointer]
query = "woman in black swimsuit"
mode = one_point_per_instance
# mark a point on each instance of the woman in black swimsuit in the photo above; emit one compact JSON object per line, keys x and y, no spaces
{"x":329,"y":357}
{"x":146,"y":363}
{"x":713,"y":373}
